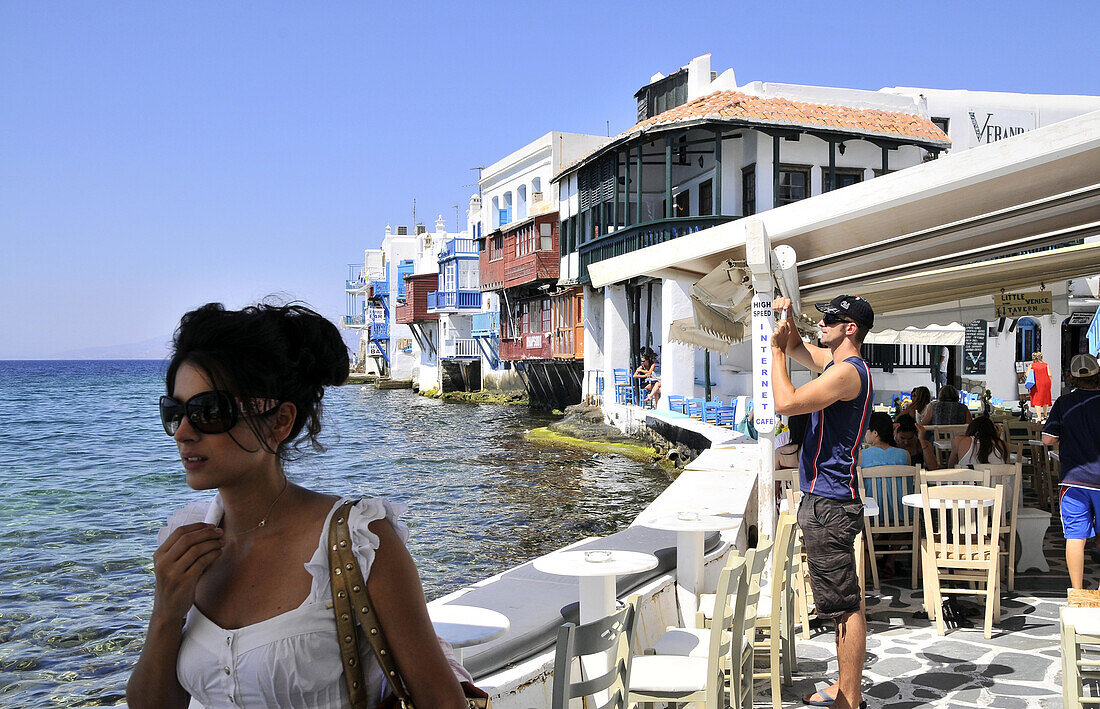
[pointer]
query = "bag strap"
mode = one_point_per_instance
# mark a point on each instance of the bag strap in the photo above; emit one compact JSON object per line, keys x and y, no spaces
{"x":351,"y":602}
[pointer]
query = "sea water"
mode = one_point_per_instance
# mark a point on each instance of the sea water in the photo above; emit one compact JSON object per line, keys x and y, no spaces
{"x":87,"y":477}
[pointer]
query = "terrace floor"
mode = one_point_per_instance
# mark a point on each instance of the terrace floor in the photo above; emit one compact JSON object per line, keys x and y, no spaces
{"x":909,"y":665}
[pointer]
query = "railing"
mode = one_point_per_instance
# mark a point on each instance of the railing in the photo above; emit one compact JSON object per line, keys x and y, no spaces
{"x":466,"y":348}
{"x":380,"y":289}
{"x":354,"y":285}
{"x":485,"y":324}
{"x":455,"y":247}
{"x":380,"y":330}
{"x":531,"y":267}
{"x":640,"y":236}
{"x":461,"y":300}
{"x":353,"y":321}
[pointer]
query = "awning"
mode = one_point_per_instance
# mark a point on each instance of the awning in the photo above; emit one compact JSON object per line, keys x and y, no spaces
{"x":949,"y":335}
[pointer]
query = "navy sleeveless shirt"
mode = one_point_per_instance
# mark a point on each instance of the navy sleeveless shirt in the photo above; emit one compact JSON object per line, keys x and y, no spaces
{"x":830,"y":450}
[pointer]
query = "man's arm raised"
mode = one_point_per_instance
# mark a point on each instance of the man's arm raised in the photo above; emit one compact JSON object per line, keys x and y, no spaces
{"x":811,"y":356}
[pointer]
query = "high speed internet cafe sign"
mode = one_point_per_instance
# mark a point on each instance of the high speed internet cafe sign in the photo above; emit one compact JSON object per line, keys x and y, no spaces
{"x":763,"y":322}
{"x":1018,"y":305}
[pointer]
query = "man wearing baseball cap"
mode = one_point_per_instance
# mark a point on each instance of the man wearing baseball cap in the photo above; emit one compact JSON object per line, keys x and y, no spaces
{"x":831,"y":512}
{"x":1073,"y":425}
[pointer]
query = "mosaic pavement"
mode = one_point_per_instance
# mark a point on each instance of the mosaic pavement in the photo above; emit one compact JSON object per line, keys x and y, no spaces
{"x":909,"y":665}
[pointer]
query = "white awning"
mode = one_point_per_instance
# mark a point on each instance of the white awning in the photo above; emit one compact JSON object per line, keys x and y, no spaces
{"x":950,"y":335}
{"x":910,"y":227}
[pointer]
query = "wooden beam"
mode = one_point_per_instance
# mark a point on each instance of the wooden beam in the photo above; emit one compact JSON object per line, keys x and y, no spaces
{"x":717,"y":194}
{"x":775,"y":170}
{"x":668,"y":177}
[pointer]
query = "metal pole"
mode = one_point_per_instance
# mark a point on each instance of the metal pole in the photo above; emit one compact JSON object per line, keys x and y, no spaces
{"x":832,"y":167}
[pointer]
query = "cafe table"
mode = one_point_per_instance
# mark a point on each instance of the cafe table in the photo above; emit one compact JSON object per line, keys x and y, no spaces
{"x":691,"y":527}
{"x":465,"y":626}
{"x":596,"y":570}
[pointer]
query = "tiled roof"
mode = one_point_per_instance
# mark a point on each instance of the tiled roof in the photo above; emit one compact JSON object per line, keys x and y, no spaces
{"x":744,"y":109}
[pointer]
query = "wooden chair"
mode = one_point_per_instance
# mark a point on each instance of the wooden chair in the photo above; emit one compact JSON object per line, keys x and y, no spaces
{"x":894,"y":531}
{"x":961,"y":545}
{"x":954,"y":476}
{"x":774,"y":615}
{"x":1080,"y":630}
{"x":694,"y":407}
{"x":787,"y":489}
{"x":624,"y":387}
{"x":692,"y":668}
{"x":675,"y":402}
{"x":1010,"y":476}
{"x":942,"y":437}
{"x":615,"y":632}
{"x":1046,"y":485}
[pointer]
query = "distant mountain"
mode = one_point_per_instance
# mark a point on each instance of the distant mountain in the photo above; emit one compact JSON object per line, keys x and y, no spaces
{"x":155,"y":348}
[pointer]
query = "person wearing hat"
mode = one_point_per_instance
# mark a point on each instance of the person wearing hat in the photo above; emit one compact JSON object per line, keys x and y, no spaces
{"x":1072,"y":426}
{"x":831,"y":512}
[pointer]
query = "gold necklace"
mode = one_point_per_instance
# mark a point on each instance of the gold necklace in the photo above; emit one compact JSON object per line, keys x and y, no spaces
{"x":286,"y":483}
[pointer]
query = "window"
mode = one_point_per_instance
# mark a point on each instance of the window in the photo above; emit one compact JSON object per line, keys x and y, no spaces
{"x":794,"y":184}
{"x":572,"y":233}
{"x":563,"y":242}
{"x":942,"y":123}
{"x":1028,"y":339}
{"x":748,"y":190}
{"x":681,"y":204}
{"x":546,"y":236}
{"x":706,"y":198}
{"x":496,"y":247}
{"x":449,"y":277}
{"x":844,"y":176}
{"x":467,"y":274}
{"x":546,"y":315}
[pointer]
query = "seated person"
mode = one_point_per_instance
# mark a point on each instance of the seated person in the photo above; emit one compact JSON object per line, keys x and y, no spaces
{"x":981,"y":444}
{"x":909,"y":435}
{"x":882,"y":448}
{"x":787,"y":455}
{"x":648,"y":373}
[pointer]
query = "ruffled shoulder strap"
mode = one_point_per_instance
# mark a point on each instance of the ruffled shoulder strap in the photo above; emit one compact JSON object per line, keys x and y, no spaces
{"x":364,"y":542}
{"x":196,"y":511}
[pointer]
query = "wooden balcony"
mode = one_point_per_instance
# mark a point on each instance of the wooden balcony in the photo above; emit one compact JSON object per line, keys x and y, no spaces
{"x":526,"y":347}
{"x":415,"y":307}
{"x":536,"y":266}
{"x":632,"y":238}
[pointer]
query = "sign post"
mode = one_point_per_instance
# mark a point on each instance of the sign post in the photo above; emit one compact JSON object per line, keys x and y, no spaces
{"x":758,"y":253}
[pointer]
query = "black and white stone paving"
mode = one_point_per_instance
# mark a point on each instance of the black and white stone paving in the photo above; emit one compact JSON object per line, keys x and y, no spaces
{"x":909,"y":665}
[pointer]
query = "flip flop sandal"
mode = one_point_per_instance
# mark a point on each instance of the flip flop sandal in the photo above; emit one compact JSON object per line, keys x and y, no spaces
{"x":827,"y":702}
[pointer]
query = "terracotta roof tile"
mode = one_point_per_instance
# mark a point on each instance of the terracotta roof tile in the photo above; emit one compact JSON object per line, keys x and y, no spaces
{"x":746,"y":109}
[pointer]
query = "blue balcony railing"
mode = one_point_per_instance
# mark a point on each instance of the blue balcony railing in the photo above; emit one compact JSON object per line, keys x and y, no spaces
{"x":380,"y":330}
{"x":355,"y":284}
{"x":353,"y":320}
{"x":380,"y":289}
{"x":485,"y":324}
{"x":632,"y":238}
{"x":458,"y":247}
{"x":454,"y":300}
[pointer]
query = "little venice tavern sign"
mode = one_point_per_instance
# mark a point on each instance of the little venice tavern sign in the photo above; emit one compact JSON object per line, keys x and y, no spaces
{"x":1017,"y":305}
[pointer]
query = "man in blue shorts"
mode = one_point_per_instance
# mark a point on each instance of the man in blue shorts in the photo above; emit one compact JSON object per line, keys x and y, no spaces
{"x":1073,"y":425}
{"x":831,"y":512}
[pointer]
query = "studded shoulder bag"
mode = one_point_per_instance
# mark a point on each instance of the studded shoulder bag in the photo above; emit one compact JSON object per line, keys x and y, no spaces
{"x":351,"y":602}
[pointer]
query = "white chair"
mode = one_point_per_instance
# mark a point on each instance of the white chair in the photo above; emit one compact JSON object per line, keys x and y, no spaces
{"x":961,"y":545}
{"x":894,"y":530}
{"x":574,"y":641}
{"x":1009,"y":475}
{"x":1080,"y":654}
{"x":687,"y":676}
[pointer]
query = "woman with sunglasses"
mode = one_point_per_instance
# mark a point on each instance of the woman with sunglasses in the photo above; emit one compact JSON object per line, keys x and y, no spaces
{"x":242,"y":608}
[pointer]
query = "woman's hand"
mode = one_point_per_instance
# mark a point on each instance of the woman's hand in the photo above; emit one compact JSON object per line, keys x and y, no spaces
{"x":179,"y":562}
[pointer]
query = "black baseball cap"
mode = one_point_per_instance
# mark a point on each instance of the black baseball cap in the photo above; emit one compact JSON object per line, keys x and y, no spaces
{"x":850,"y":307}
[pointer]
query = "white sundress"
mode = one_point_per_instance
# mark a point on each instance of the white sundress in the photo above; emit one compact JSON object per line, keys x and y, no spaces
{"x":291,"y":661}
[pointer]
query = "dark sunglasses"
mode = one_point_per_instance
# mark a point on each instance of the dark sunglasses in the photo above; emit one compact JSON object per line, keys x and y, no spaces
{"x":210,"y":411}
{"x":830,"y":319}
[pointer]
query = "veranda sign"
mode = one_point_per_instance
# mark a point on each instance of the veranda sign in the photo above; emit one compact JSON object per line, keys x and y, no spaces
{"x":1017,"y":305}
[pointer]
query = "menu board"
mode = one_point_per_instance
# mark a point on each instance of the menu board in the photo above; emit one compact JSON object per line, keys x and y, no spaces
{"x":974,"y":347}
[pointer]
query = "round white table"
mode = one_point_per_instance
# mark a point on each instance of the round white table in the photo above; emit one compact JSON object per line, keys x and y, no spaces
{"x":464,"y":626}
{"x":691,"y":527}
{"x":596,"y":573}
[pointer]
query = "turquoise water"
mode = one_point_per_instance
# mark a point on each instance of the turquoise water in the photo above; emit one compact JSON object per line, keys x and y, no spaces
{"x":87,"y":477}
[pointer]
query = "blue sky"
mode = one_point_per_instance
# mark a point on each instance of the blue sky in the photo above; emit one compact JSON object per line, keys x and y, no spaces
{"x":158,"y":155}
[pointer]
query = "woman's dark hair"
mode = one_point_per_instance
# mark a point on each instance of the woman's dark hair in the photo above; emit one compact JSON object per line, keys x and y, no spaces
{"x":984,"y":430}
{"x":881,"y":423}
{"x":920,"y":397}
{"x":798,"y":423}
{"x":907,"y":424}
{"x":283,"y":352}
{"x":948,"y":393}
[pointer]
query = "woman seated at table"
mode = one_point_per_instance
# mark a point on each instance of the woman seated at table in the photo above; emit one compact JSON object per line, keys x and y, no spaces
{"x":947,"y":411}
{"x":882,"y":449}
{"x":647,"y":372}
{"x":978,"y":446}
{"x":787,"y":455}
{"x":919,"y":400}
{"x":909,"y":435}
